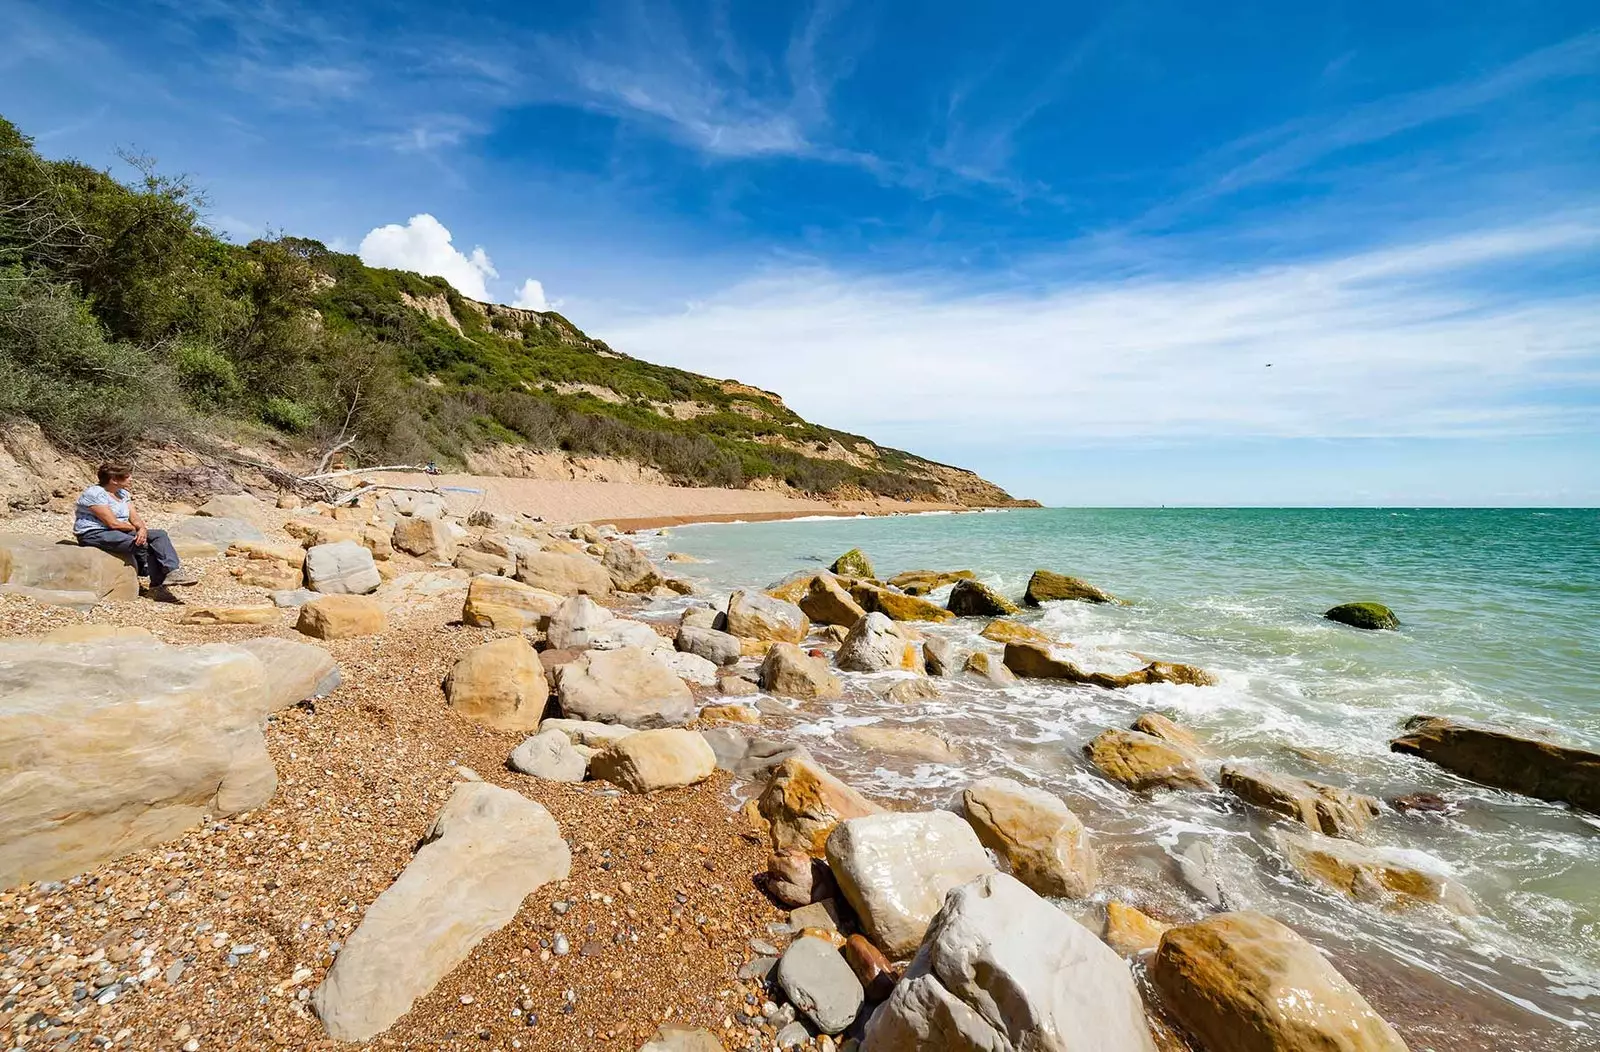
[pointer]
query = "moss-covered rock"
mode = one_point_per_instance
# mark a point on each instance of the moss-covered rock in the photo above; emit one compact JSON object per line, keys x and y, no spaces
{"x":1044,"y":587}
{"x":1370,"y":616}
{"x":972,"y":599}
{"x":854,"y":563}
{"x":896,"y":606}
{"x":921,"y":582}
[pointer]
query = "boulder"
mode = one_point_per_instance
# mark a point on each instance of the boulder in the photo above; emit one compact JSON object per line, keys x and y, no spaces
{"x":487,"y":850}
{"x":937,"y":657}
{"x":506,"y":605}
{"x":921,"y":582}
{"x":671,"y":1038}
{"x":897,"y":605}
{"x":894,"y":869}
{"x":499,"y":684}
{"x":1003,"y":630}
{"x":630,"y":569}
{"x":425,"y":538}
{"x":1158,"y":726}
{"x":218,"y":533}
{"x":96,"y":633}
{"x":476,"y":562}
{"x":754,"y":615}
{"x":877,"y":644}
{"x":989,"y":666}
{"x":551,"y":756}
{"x":819,"y":982}
{"x":791,"y":672}
{"x":719,"y":648}
{"x":668,"y":758}
{"x":628,"y":686}
{"x":379,"y":540}
{"x":312,"y":532}
{"x":1391,"y":878}
{"x":904,"y":741}
{"x":41,"y":563}
{"x":232,"y":615}
{"x":291,"y":597}
{"x":1032,"y":661}
{"x":113,"y":745}
{"x":1041,"y":840}
{"x":911,"y":691}
{"x":236,"y":506}
{"x":1142,"y":762}
{"x":873,"y":970}
{"x":587,"y":732}
{"x":793,"y":588}
{"x":1371,"y":616}
{"x":749,"y":758}
{"x":563,"y":574}
{"x":1045,"y":587}
{"x":1517,"y":763}
{"x":737,"y":686}
{"x":292,"y":554}
{"x":344,"y":567}
{"x":742,"y":714}
{"x":1002,"y":970}
{"x":295,"y":671}
{"x":1324,"y":808}
{"x":854,"y":563}
{"x":802,"y":804}
{"x":1129,"y":931}
{"x":1243,"y":982}
{"x":704,"y":617}
{"x":974,"y":599}
{"x":575,"y":621}
{"x":341,"y":616}
{"x":826,"y":603}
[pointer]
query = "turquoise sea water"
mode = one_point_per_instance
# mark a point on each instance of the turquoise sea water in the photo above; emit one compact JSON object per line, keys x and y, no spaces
{"x":1501,"y":621}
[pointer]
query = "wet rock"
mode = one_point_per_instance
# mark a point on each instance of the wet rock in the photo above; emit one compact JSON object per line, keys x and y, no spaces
{"x":1045,"y":587}
{"x":974,"y":599}
{"x":1032,"y":661}
{"x":1517,"y":763}
{"x":344,"y":567}
{"x":1158,"y":726}
{"x":506,"y":605}
{"x":750,"y":758}
{"x":551,"y":756}
{"x":1002,"y":970}
{"x":873,"y":970}
{"x":1324,"y":808}
{"x":803,"y":803}
{"x":1129,"y":931}
{"x":904,"y":741}
{"x":911,"y":691}
{"x":627,"y":686}
{"x":921,"y":582}
{"x":854,"y":563}
{"x":877,"y":644}
{"x":720,"y":648}
{"x":989,"y":666}
{"x":500,"y":684}
{"x":894,"y":869}
{"x":1002,"y":630}
{"x":1389,"y":878}
{"x":339,"y":616}
{"x":1426,"y":803}
{"x":1042,"y":842}
{"x":488,"y":849}
{"x":1142,"y":762}
{"x":793,"y":588}
{"x":742,"y":714}
{"x":937,"y":657}
{"x":1242,"y":982}
{"x":669,"y":758}
{"x":563,"y":573}
{"x":789,"y":671}
{"x":1371,"y":616}
{"x":820,"y":984}
{"x":897,"y":606}
{"x":827,"y":603}
{"x":753,"y":615}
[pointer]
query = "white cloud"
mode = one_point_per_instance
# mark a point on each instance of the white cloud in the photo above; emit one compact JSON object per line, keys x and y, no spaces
{"x":1407,"y":341}
{"x":531,"y":296}
{"x":424,"y":245}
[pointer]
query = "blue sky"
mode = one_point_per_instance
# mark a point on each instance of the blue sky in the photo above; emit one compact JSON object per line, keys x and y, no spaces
{"x":1058,"y":243}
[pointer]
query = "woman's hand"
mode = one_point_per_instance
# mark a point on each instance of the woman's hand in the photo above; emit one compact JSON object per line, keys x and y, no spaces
{"x":141,"y":537}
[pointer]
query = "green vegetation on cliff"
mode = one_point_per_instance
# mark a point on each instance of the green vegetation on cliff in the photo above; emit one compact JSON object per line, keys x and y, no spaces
{"x":123,"y":319}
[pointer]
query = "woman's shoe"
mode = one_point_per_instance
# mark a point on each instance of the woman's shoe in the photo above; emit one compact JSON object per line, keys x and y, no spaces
{"x":181,"y":578}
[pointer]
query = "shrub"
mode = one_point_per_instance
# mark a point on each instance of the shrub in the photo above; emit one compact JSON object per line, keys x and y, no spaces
{"x":206,"y":375}
{"x":285,"y":414}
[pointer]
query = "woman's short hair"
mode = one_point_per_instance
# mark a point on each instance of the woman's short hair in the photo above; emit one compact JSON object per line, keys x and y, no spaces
{"x":113,"y":470}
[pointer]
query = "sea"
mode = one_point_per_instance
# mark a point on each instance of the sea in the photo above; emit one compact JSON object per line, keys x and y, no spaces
{"x":1500,"y":621}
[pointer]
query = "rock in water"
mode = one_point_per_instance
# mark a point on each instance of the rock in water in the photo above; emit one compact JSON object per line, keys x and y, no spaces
{"x":904,"y":741}
{"x":803,"y":803}
{"x":789,"y":671}
{"x":937,"y":657}
{"x":1002,"y":970}
{"x":669,"y":758}
{"x":921,"y":582}
{"x":972,"y":599}
{"x":819,"y":982}
{"x":1370,"y":616}
{"x":1242,"y":982}
{"x":1039,"y":837}
{"x":1325,"y":808}
{"x":551,"y":756}
{"x":1031,"y":660}
{"x":989,"y":666}
{"x":854,"y":563}
{"x":500,"y":684}
{"x":340,"y":616}
{"x":753,"y":615}
{"x":107,"y":747}
{"x":896,"y":868}
{"x":877,"y":644}
{"x":1141,"y":762}
{"x":1516,"y":763}
{"x":487,"y":850}
{"x":630,"y":569}
{"x":1045,"y":587}
{"x":627,"y":686}
{"x":1159,"y":726}
{"x":1129,"y":932}
{"x":1387,"y":878}
{"x":344,"y":567}
{"x":898,"y":606}
{"x":827,"y":603}
{"x":506,"y":605}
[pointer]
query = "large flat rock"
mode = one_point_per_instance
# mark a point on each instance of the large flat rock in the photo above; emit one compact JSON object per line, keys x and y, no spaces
{"x":46,"y":564}
{"x":1517,"y":763}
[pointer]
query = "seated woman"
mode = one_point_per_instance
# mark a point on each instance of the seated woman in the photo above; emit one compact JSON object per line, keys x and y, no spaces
{"x":106,"y":518}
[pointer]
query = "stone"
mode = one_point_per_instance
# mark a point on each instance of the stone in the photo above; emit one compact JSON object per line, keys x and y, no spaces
{"x":344,"y":567}
{"x":1142,"y":762}
{"x":1393,"y":879}
{"x":425,"y":538}
{"x":291,"y":597}
{"x":1041,"y":841}
{"x":903,"y":741}
{"x":703,"y":617}
{"x":937,"y":657}
{"x":1129,"y":931}
{"x":753,"y":615}
{"x":95,"y":633}
{"x":989,"y":666}
{"x":974,"y":599}
{"x":563,"y":574}
{"x":39,"y":563}
{"x":575,"y":621}
{"x":1045,"y":587}
{"x":379,"y":540}
{"x":1037,"y":662}
{"x":911,"y":691}
{"x":295,"y":671}
{"x":877,"y":644}
{"x":793,"y":588}
{"x":826,"y":603}
{"x":288,"y":501}
{"x":1002,"y":970}
{"x":897,"y":606}
{"x":341,"y":616}
{"x":681,"y":557}
{"x":819,"y":982}
{"x":789,"y":671}
{"x":628,"y":686}
{"x":1003,"y":630}
{"x":476,"y":562}
{"x":273,"y":576}
{"x":671,"y":1038}
{"x":668,"y":758}
{"x":114,"y":745}
{"x":506,"y":605}
{"x":220,"y":533}
{"x":232,"y":615}
{"x":894,"y":869}
{"x":1324,"y":808}
{"x":587,"y":732}
{"x":802,"y":804}
{"x":1243,"y":982}
{"x":720,"y":648}
{"x":630,"y":569}
{"x":873,"y":970}
{"x":854,"y":563}
{"x":795,"y":879}
{"x":737,"y":686}
{"x":236,"y":506}
{"x":691,"y":668}
{"x":742,"y":714}
{"x":1504,"y":759}
{"x":551,"y":756}
{"x":312,"y":532}
{"x":1159,"y":726}
{"x":921,"y":582}
{"x":499,"y":684}
{"x":487,"y":850}
{"x":1371,"y":616}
